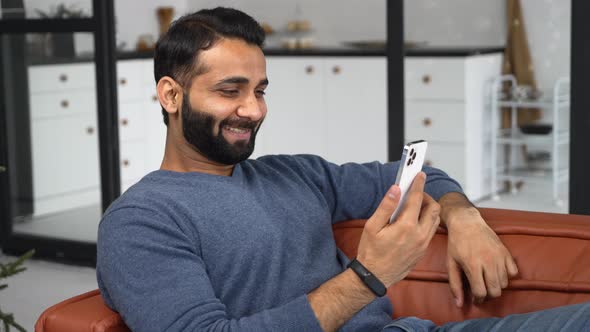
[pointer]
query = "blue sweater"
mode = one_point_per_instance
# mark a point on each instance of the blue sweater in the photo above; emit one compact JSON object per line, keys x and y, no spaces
{"x":201,"y":252}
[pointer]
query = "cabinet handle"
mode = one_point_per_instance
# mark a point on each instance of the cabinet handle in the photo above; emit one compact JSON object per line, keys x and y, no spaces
{"x":124,"y":122}
{"x":428,"y":163}
{"x":427,"y":122}
{"x":154,"y":98}
{"x":426,"y":79}
{"x":336,"y":70}
{"x":90,"y":130}
{"x":309,"y":69}
{"x":65,"y":103}
{"x":63,"y":78}
{"x":123,"y":81}
{"x":125,"y":162}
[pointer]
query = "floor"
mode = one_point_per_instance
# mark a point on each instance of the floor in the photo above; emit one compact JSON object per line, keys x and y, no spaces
{"x":45,"y":283}
{"x":75,"y":224}
{"x":41,"y":285}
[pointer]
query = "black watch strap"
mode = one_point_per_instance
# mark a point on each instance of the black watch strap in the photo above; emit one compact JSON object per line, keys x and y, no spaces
{"x":374,"y":284}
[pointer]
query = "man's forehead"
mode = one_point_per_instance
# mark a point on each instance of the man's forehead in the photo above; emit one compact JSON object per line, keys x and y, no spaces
{"x":233,"y":58}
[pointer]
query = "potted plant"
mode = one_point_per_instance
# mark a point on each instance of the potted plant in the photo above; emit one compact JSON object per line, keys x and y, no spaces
{"x":62,"y":43}
{"x":8,"y":270}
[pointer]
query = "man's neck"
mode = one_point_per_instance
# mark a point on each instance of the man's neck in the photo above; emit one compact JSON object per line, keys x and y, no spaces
{"x":182,"y":157}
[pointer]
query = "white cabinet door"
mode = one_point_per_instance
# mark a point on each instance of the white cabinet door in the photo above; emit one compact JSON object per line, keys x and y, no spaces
{"x":295,"y":122}
{"x":65,"y":155}
{"x":155,"y":139}
{"x":356,"y":109}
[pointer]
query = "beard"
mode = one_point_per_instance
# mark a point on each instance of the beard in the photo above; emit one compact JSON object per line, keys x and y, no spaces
{"x":198,"y":129}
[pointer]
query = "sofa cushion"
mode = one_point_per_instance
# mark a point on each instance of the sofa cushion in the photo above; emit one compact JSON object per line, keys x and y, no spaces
{"x":550,"y":251}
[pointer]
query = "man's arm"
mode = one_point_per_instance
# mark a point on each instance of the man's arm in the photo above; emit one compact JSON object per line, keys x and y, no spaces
{"x":473,"y":248}
{"x":389,"y":251}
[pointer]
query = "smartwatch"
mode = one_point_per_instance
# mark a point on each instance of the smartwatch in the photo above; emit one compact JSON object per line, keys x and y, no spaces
{"x":368,"y":278}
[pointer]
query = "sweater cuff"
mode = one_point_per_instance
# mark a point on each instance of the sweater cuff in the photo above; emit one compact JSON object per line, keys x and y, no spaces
{"x":302,"y":317}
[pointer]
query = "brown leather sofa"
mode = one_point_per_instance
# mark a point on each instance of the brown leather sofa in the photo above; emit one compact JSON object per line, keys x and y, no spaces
{"x":551,"y":250}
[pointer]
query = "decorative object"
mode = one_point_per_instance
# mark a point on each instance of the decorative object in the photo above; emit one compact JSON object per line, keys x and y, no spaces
{"x":8,"y":270}
{"x":145,"y":43}
{"x":62,"y":44}
{"x":518,"y":61}
{"x":165,"y":15}
{"x":536,"y":129}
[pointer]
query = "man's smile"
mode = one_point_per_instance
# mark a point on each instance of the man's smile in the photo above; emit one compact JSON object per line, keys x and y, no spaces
{"x":236,"y":133}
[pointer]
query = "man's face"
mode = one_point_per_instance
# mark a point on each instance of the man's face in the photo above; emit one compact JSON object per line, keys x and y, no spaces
{"x":224,"y":108}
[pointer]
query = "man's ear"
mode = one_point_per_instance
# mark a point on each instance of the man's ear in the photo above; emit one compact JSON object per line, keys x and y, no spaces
{"x":170,"y":94}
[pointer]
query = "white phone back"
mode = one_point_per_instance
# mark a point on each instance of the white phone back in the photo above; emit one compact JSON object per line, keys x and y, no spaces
{"x":410,"y":165}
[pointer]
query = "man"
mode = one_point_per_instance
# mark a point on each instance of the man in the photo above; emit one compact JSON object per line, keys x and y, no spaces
{"x":214,"y":241}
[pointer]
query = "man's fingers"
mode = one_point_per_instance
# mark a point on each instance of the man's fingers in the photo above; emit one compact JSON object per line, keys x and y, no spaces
{"x":503,"y":276}
{"x":418,"y":183}
{"x":493,"y":288}
{"x":413,"y":201}
{"x":388,"y":204}
{"x":430,"y":211}
{"x":478,"y":286}
{"x":511,"y":266}
{"x":455,"y":282}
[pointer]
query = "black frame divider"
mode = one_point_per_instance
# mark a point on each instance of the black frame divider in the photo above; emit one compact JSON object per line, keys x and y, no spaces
{"x":47,"y":25}
{"x":395,"y":78}
{"x":106,"y":88}
{"x":579,"y":185}
{"x":102,"y":25}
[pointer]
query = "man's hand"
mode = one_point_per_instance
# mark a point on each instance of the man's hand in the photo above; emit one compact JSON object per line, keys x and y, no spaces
{"x":390,"y":251}
{"x":475,"y":249}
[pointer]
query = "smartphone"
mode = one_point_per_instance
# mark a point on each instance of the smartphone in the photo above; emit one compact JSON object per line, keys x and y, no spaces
{"x":410,"y":165}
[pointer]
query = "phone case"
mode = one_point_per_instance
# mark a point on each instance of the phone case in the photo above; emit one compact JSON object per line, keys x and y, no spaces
{"x":410,"y":165}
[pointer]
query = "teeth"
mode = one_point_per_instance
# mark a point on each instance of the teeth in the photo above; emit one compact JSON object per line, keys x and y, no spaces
{"x":237,"y":130}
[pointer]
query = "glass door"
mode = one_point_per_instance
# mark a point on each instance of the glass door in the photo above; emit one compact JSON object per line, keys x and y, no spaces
{"x":59,"y":151}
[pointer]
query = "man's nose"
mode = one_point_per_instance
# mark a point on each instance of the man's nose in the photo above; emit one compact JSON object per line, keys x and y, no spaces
{"x":251,"y":108}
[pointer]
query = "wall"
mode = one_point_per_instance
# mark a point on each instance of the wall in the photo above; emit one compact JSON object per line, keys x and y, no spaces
{"x":133,"y":18}
{"x":333,"y":21}
{"x":138,"y":17}
{"x":548,"y":25}
{"x":436,"y":22}
{"x":483,"y":22}
{"x":455,"y":22}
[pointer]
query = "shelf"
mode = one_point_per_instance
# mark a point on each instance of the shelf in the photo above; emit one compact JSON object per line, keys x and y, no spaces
{"x":533,"y":175}
{"x":512,"y":138}
{"x":524,"y":104}
{"x":563,"y":137}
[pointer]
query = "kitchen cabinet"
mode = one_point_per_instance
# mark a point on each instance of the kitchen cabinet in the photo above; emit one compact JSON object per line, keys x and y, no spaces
{"x":66,"y":166}
{"x":445,"y":104}
{"x":295,"y":122}
{"x":331,"y":106}
{"x":356,"y":108}
{"x":335,"y":107}
{"x":64,"y":140}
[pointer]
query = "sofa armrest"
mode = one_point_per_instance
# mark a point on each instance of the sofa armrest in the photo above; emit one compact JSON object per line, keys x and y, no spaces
{"x":85,"y":312}
{"x":549,"y":250}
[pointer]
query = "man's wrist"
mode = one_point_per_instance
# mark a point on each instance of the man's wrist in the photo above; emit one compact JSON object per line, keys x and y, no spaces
{"x":368,"y":278}
{"x":455,"y":207}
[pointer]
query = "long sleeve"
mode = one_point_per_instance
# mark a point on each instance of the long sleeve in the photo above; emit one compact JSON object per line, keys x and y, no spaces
{"x":354,"y":190}
{"x":151,"y":270}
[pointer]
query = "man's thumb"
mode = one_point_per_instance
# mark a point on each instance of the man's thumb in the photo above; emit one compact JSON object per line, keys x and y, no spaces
{"x":388,"y":204}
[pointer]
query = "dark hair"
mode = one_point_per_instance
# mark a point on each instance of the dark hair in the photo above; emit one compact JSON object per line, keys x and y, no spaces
{"x":177,"y":50}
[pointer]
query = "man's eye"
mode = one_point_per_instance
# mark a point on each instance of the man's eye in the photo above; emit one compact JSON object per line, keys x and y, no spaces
{"x":230,"y":92}
{"x":260,"y":93}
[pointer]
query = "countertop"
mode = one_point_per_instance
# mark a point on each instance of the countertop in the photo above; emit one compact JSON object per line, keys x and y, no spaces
{"x":425,"y":51}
